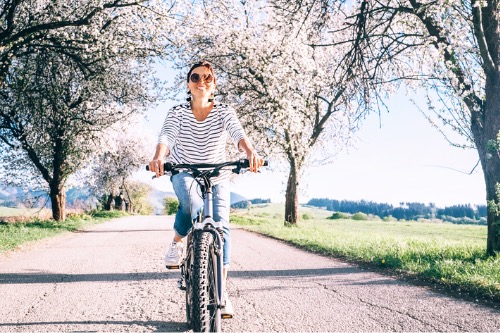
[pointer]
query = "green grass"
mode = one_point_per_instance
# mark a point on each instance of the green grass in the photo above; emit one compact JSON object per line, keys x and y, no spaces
{"x":452,"y":255}
{"x":15,"y":234}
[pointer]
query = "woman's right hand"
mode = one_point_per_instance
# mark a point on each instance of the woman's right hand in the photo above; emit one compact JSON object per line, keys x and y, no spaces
{"x":156,"y":166}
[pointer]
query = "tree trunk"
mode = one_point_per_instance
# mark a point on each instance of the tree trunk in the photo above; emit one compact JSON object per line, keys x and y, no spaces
{"x":128,"y":201}
{"x":291,"y":196}
{"x":110,"y":202}
{"x":58,"y":201}
{"x":119,"y":205}
{"x":492,"y":197}
{"x":486,"y":136}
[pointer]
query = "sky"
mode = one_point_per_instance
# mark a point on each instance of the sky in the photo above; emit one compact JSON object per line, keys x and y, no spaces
{"x":398,"y":157}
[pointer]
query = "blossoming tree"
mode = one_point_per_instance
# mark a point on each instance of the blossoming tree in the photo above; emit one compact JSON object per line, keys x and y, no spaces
{"x":298,"y":102}
{"x":92,"y":32}
{"x":125,"y":146}
{"x":452,"y":49}
{"x":69,"y":70}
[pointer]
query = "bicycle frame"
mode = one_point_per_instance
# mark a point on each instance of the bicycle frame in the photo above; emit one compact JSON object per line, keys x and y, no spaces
{"x":205,"y":223}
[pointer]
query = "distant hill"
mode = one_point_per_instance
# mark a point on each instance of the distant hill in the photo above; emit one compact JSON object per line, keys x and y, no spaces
{"x":156,"y":198}
{"x":13,"y":197}
{"x":4,"y":195}
{"x":235,"y":198}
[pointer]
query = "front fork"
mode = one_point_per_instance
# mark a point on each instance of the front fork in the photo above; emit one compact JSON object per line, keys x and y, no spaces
{"x":215,"y":228}
{"x":219,"y":250}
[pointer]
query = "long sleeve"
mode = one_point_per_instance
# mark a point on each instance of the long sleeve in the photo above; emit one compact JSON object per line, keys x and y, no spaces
{"x":171,"y":127}
{"x":233,"y":126}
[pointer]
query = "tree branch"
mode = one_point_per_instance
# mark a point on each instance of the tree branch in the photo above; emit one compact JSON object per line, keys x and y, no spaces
{"x":478,"y":22}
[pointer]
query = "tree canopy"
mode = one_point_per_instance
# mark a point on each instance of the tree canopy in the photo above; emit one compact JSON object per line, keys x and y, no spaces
{"x":69,"y":70}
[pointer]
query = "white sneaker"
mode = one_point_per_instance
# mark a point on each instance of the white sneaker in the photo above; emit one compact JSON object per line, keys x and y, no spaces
{"x":174,"y":254}
{"x":227,"y":312}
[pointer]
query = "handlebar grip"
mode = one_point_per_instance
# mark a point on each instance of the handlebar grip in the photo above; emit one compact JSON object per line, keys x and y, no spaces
{"x":166,"y":167}
{"x":246,"y":163}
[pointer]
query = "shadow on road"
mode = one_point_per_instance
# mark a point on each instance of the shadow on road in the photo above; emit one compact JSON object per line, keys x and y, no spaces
{"x":314,"y":272}
{"x":47,"y":277}
{"x":295,"y":272}
{"x":120,"y":231}
{"x":158,"y":326}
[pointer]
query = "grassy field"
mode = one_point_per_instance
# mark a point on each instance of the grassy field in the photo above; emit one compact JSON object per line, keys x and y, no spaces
{"x":7,"y":211}
{"x":13,"y":235}
{"x":450,"y":255}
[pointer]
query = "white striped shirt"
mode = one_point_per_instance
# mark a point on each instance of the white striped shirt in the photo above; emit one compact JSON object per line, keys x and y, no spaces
{"x":193,"y":141}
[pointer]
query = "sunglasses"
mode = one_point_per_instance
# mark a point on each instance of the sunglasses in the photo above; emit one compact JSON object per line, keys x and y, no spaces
{"x":207,"y":78}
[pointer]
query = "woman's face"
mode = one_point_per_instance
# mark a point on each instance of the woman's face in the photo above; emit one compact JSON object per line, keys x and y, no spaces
{"x":201,"y":82}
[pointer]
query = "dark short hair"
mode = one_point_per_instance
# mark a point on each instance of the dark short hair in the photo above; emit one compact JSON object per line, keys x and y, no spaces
{"x":202,"y":63}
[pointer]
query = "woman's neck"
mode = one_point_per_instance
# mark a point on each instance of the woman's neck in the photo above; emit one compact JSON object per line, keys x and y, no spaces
{"x":201,"y":108}
{"x":200,"y":104}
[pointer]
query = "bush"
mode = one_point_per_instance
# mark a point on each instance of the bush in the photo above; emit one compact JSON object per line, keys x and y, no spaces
{"x":108,"y":214}
{"x":360,"y":217}
{"x":338,"y":216}
{"x":171,"y":205}
{"x":307,"y":216}
{"x":242,"y":204}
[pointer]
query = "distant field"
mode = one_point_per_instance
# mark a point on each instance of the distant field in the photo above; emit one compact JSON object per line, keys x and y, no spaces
{"x":8,"y":211}
{"x":316,"y":219}
{"x":452,"y":255}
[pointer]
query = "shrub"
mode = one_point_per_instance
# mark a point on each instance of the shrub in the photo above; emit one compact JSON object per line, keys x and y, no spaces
{"x":108,"y":214}
{"x":307,"y":216}
{"x":242,"y":204}
{"x":338,"y":216}
{"x":171,"y":205}
{"x":360,"y":217}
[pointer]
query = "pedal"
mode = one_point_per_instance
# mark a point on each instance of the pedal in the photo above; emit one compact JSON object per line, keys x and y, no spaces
{"x":173,"y":267}
{"x":226,"y":316}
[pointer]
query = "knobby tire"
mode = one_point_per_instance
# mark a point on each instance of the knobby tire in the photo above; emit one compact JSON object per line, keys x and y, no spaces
{"x":205,"y":313}
{"x":188,"y":278}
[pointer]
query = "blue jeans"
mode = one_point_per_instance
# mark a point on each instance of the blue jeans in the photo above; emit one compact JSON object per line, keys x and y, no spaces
{"x":190,"y":203}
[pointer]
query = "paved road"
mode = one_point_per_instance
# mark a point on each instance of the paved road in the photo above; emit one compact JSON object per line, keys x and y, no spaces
{"x":110,"y":278}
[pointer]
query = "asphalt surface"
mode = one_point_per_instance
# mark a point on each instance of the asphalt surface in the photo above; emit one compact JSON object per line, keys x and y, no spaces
{"x":111,"y":278}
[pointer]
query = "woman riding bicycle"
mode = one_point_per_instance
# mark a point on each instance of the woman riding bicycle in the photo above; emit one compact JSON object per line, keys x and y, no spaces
{"x":196,"y":132}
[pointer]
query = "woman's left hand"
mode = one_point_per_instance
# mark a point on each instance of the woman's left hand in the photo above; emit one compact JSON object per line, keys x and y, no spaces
{"x":255,"y":161}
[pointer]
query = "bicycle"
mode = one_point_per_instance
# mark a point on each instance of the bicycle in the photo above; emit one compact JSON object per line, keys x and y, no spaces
{"x":202,"y":266}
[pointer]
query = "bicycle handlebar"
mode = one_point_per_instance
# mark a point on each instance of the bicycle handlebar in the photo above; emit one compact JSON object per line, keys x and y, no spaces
{"x":240,"y":164}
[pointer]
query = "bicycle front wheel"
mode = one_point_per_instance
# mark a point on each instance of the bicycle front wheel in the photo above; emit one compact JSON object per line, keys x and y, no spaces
{"x":206,"y":315}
